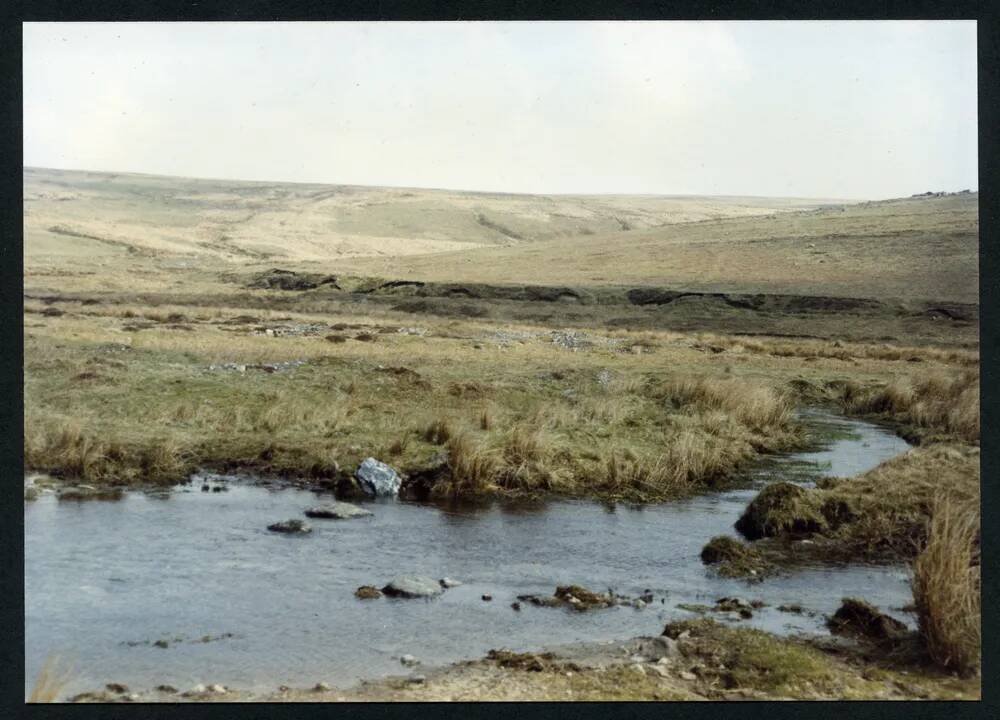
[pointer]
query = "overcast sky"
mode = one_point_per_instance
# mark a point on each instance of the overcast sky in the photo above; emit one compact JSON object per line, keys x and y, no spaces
{"x":807,"y":109}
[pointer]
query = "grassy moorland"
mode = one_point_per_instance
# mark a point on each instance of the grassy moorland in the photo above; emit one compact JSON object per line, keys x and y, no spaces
{"x":634,"y":349}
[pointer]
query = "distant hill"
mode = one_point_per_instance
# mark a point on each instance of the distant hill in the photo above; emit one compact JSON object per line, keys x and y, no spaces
{"x":95,"y":213}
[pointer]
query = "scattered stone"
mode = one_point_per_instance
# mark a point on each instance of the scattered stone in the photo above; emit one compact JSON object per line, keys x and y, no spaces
{"x":321,"y":687}
{"x":447,"y":582}
{"x":196,"y":690}
{"x":337,"y":511}
{"x":166,"y":689}
{"x":30,"y":493}
{"x":409,"y":660}
{"x":291,"y":527}
{"x":378,"y":479}
{"x":117,"y":688}
{"x":217,"y":689}
{"x":487,"y":598}
{"x":688,"y":675}
{"x":417,"y":679}
{"x":856,"y":617}
{"x":161,"y":644}
{"x":516,"y":606}
{"x":413,"y":587}
{"x":792,"y":608}
{"x":205,"y":488}
{"x":367,"y":592}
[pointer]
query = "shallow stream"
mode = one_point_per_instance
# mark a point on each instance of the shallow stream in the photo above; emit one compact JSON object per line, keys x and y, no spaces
{"x":105,"y":580}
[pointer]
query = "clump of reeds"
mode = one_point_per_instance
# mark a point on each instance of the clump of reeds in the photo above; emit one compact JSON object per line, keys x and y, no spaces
{"x":946,"y":586}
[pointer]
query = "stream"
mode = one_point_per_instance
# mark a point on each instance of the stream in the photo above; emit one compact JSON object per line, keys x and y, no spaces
{"x":105,"y":580}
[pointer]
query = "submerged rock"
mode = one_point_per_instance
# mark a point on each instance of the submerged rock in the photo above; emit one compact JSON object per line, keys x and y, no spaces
{"x":413,"y":587}
{"x":856,"y":617}
{"x":89,"y":492}
{"x":378,"y":479}
{"x":291,"y":527}
{"x":337,"y":511}
{"x":780,"y":508}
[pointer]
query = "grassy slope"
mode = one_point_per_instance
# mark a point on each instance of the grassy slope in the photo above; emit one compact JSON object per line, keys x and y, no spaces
{"x":916,"y":248}
{"x":70,"y":212}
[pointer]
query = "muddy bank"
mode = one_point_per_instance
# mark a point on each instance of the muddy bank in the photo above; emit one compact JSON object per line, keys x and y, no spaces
{"x":689,"y":661}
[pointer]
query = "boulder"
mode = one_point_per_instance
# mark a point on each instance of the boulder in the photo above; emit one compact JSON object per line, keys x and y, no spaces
{"x":337,"y":511}
{"x":413,"y":587}
{"x":291,"y":527}
{"x":378,"y":479}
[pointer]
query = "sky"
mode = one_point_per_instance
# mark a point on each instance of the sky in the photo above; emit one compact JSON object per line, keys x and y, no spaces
{"x":852,"y":109}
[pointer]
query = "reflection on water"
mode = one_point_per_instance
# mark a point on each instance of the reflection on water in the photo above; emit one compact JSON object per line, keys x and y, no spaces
{"x":105,"y":581}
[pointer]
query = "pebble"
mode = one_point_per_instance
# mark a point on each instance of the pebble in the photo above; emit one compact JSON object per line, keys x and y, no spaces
{"x":516,"y":606}
{"x":487,"y":598}
{"x":408,"y":660}
{"x":321,"y":687}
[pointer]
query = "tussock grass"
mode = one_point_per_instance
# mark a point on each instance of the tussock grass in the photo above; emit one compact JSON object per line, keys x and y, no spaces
{"x":65,"y":448}
{"x":944,"y":403}
{"x":947,"y":586}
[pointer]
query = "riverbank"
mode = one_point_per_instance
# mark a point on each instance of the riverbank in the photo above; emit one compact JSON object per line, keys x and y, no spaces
{"x":692,"y":661}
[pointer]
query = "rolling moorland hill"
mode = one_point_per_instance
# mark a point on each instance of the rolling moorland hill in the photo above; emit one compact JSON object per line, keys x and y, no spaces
{"x":90,"y":231}
{"x":74,"y":212}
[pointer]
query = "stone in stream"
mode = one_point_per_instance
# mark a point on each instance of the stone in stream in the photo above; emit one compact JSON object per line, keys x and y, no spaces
{"x":413,"y":587}
{"x":447,"y":582}
{"x":367,"y":592}
{"x":293,"y":526}
{"x":378,"y":479}
{"x":337,"y":511}
{"x":856,"y":617}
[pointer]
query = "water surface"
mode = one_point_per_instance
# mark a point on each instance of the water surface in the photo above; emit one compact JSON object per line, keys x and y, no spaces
{"x":104,"y":580}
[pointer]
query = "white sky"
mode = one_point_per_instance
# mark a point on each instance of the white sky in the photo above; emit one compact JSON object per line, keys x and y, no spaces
{"x":809,"y":109}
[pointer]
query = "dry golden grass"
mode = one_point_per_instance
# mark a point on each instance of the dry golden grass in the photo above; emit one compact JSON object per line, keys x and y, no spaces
{"x":947,"y":587}
{"x":50,"y":682}
{"x":944,"y":403}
